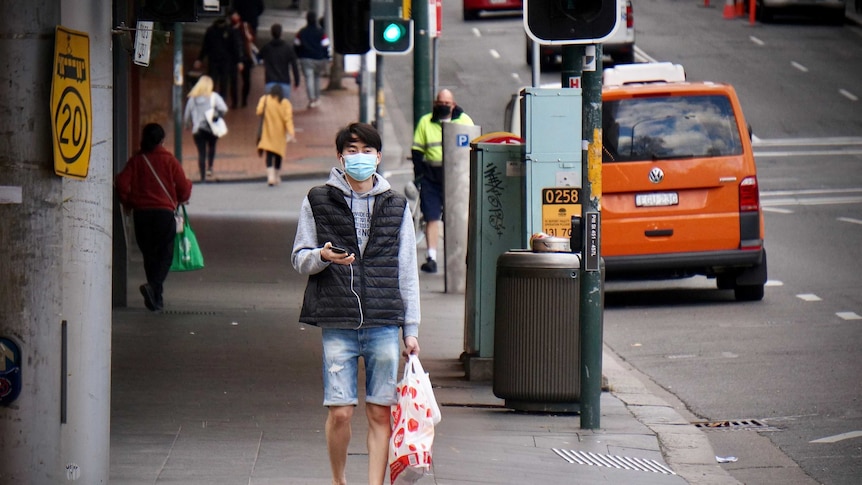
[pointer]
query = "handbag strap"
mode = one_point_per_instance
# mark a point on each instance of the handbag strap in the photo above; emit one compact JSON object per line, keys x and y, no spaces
{"x":159,"y":179}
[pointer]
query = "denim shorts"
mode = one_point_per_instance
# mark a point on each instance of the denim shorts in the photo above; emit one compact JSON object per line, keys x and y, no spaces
{"x":379,"y":347}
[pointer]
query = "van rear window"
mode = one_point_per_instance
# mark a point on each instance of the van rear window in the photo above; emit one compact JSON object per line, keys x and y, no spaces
{"x":669,"y":127}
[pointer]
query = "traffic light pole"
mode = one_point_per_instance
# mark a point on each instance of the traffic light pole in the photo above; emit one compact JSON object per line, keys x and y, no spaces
{"x":379,"y":102}
{"x":591,"y":298}
{"x":421,"y":61}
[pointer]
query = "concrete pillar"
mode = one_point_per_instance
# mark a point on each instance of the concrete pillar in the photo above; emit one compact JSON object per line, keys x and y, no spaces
{"x":456,"y":186}
{"x":87,"y":229}
{"x":30,"y":243}
{"x":55,"y":253}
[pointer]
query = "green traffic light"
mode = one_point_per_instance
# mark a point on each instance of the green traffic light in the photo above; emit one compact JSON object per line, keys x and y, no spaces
{"x":393,"y":33}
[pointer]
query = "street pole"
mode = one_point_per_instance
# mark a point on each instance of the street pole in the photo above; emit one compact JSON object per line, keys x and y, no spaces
{"x":364,"y":86}
{"x":421,"y":61}
{"x":379,"y":103}
{"x":585,"y":63}
{"x":178,"y":90}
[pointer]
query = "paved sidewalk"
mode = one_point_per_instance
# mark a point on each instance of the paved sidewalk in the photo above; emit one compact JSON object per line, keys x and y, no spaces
{"x":236,"y":153}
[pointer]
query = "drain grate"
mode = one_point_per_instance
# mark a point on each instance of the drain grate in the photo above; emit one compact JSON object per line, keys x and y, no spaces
{"x":736,"y":424}
{"x":612,"y":461}
{"x":189,"y":312}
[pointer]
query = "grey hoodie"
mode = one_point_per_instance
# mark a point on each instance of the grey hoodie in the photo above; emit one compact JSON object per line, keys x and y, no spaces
{"x":306,"y":252}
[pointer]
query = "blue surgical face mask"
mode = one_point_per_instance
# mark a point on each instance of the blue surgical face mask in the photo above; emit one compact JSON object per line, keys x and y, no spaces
{"x":360,"y":166}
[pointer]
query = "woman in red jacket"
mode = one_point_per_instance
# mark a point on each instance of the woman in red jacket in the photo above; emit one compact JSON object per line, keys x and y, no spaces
{"x":153,"y":184}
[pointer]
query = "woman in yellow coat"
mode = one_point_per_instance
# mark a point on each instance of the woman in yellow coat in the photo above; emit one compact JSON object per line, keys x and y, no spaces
{"x":276,"y":131}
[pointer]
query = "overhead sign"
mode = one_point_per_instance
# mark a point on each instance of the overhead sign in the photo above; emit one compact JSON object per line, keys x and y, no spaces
{"x":71,"y":106}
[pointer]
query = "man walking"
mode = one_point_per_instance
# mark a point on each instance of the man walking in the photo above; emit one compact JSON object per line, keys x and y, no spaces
{"x":279,"y":60}
{"x":355,"y":241}
{"x":312,"y":47}
{"x":427,"y":154}
{"x":222,"y":49}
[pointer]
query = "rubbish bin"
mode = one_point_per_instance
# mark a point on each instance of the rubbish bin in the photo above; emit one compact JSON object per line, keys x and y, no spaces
{"x":536,"y":332}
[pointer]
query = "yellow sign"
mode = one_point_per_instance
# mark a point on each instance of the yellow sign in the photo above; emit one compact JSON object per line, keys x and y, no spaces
{"x":71,"y":107}
{"x":559,"y":204}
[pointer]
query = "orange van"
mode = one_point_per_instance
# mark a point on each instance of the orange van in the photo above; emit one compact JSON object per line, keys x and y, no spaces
{"x":679,"y":183}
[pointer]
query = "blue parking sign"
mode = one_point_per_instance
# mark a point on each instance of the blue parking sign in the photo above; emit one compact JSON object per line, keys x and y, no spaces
{"x":462,"y":140}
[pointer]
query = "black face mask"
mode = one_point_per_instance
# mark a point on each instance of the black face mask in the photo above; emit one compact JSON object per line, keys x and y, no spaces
{"x":442,"y":111}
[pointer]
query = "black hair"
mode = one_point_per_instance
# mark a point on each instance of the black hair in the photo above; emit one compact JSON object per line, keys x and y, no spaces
{"x":311,"y":17}
{"x":276,"y":31}
{"x":358,"y":131}
{"x":152,"y":137}
{"x":277,"y":91}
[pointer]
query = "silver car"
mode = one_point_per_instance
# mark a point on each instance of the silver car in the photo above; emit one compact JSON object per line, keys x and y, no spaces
{"x":620,"y":47}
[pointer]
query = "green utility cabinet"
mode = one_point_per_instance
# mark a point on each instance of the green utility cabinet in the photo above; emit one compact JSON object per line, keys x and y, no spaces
{"x":495,"y":225}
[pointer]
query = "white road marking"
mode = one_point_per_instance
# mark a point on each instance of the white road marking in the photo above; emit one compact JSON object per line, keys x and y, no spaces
{"x":834,"y":140}
{"x":809,"y":153}
{"x":813,"y":201}
{"x":777,"y":210}
{"x":773,"y":193}
{"x":774,"y":283}
{"x":838,"y":437}
{"x":756,"y":40}
{"x":848,"y":95}
{"x":799,"y":66}
{"x":809,"y":297}
{"x":849,"y":316}
{"x":494,"y":54}
{"x":476,"y":32}
{"x":516,"y":76}
{"x":851,"y":221}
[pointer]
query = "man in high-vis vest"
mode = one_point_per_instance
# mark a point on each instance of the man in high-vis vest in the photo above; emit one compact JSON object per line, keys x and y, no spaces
{"x":427,"y":154}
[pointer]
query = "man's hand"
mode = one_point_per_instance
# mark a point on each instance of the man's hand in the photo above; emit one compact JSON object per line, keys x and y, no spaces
{"x":411,"y":347}
{"x":327,"y":254}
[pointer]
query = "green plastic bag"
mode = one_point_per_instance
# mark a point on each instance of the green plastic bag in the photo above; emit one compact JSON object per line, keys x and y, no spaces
{"x":187,"y":253}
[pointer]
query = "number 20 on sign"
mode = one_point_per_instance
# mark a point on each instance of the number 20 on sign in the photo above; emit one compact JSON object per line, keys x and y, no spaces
{"x":71,"y":107}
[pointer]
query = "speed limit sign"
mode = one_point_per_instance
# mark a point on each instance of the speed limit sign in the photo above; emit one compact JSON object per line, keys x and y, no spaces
{"x":71,"y":107}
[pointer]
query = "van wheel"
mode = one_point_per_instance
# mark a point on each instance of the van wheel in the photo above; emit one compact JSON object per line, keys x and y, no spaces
{"x":748,"y":292}
{"x":627,"y":58}
{"x":725,"y":281}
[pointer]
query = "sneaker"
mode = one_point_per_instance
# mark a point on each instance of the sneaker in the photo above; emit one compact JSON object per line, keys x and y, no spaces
{"x":210,"y":173}
{"x":149,"y":298}
{"x":429,"y":266}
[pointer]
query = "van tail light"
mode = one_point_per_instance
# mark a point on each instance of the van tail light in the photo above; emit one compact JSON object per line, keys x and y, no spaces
{"x":750,"y":220}
{"x":630,"y":19}
{"x":749,"y":195}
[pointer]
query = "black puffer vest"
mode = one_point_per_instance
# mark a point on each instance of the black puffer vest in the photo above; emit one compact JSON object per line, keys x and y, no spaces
{"x":329,"y":301}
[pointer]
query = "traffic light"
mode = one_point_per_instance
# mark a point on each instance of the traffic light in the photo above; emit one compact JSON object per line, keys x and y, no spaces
{"x":392,"y":35}
{"x":169,"y":11}
{"x":350,"y":20}
{"x":571,"y":21}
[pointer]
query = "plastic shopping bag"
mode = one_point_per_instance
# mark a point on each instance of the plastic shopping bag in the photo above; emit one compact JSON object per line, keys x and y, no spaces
{"x":413,"y":420}
{"x":187,"y":252}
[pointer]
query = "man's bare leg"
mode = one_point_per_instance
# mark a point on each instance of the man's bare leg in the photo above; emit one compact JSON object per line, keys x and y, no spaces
{"x":432,"y":234}
{"x":338,"y":435}
{"x":379,"y":431}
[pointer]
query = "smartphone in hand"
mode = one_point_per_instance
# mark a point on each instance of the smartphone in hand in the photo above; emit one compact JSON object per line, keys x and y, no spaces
{"x":337,"y":250}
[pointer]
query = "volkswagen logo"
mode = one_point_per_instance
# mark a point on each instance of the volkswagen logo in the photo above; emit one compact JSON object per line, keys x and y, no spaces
{"x":656,"y":175}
